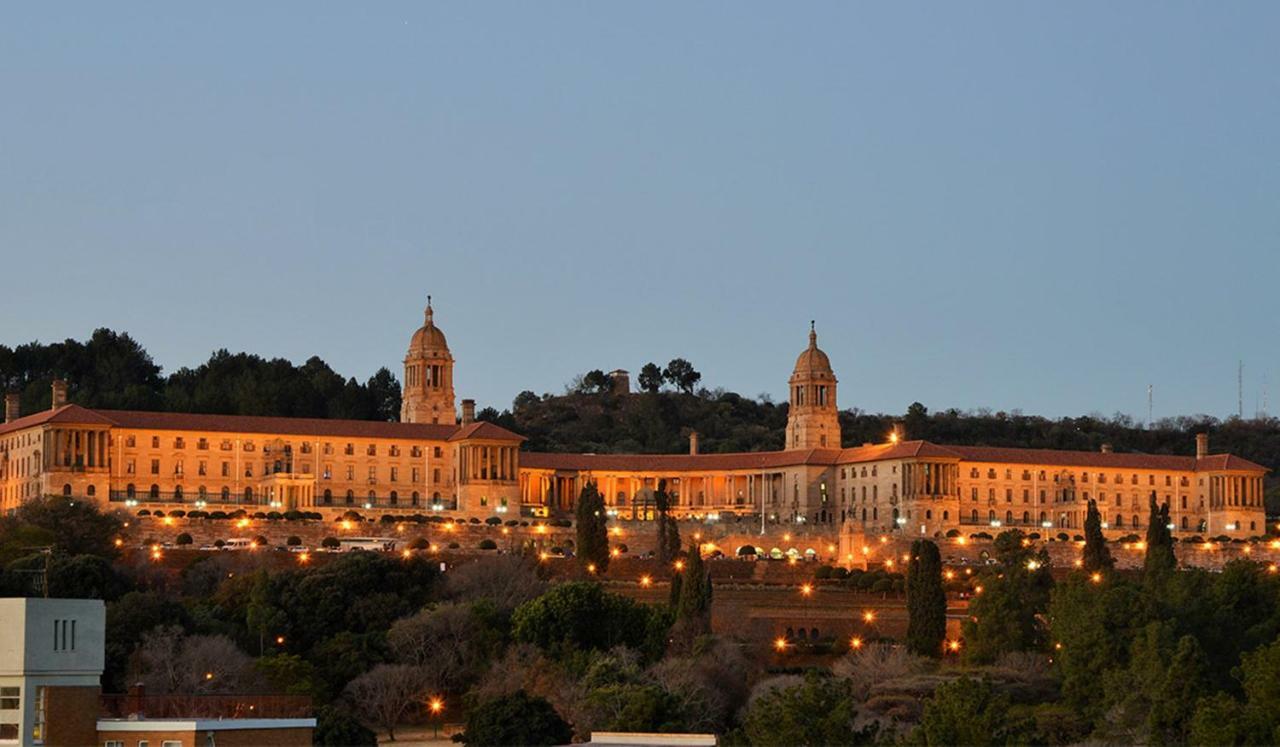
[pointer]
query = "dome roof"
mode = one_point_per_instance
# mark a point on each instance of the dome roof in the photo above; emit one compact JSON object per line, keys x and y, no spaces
{"x":813,"y":360}
{"x":428,"y":337}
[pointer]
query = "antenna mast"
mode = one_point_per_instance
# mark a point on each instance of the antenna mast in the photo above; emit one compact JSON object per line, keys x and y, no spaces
{"x":1240,"y":389}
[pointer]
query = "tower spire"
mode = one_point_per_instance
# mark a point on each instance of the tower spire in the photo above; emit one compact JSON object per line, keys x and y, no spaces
{"x":429,"y":312}
{"x":813,"y":335}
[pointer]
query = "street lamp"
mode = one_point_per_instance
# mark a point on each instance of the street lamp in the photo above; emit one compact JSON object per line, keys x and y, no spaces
{"x":437,"y":707}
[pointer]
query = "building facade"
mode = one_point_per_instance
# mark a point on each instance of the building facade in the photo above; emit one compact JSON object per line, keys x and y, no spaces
{"x":438,"y":460}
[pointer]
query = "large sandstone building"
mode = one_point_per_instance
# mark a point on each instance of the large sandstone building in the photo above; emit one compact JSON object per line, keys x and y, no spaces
{"x":437,"y":461}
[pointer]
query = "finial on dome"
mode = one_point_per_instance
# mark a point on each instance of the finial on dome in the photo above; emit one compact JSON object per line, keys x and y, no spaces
{"x":813,"y":335}
{"x":429,"y":313}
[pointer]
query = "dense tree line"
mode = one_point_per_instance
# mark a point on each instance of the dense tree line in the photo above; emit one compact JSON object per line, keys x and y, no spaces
{"x":111,"y":370}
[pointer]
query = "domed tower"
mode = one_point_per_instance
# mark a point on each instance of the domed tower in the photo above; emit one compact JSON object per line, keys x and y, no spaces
{"x":428,"y":377}
{"x":812,"y":422}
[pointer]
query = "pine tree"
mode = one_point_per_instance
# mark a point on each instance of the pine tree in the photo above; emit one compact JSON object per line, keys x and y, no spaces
{"x":593,"y":531}
{"x":926,"y":600}
{"x":1096,"y":555}
{"x":693,"y":612}
{"x":1160,"y":559}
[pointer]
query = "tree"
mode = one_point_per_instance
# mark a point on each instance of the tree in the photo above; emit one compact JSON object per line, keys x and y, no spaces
{"x":451,"y":642}
{"x":1005,"y":616}
{"x":592,"y":522}
{"x":1160,"y":560}
{"x":595,"y":382}
{"x":967,"y":712}
{"x":693,"y":609}
{"x":581,"y":615}
{"x":650,"y":378}
{"x":1222,"y":719}
{"x":171,"y":662}
{"x":76,"y":527}
{"x":1092,"y":626}
{"x":926,"y":600}
{"x":818,"y":711}
{"x":667,"y":545}
{"x":336,"y":727}
{"x":1096,"y":556}
{"x":386,"y":692}
{"x":681,"y":374}
{"x":288,"y":673}
{"x":262,"y":616}
{"x":515,"y":719}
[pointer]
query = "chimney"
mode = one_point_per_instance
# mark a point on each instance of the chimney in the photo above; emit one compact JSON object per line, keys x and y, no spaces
{"x":1106,"y":448}
{"x":59,"y":393}
{"x":693,"y":442}
{"x":12,"y":407}
{"x":134,"y":699}
{"x":1202,"y":445}
{"x":468,"y":411}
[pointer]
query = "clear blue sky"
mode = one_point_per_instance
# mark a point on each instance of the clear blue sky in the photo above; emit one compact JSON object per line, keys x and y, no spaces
{"x":1036,"y":206}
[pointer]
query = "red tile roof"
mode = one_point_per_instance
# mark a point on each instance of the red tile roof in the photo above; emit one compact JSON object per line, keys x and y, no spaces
{"x":1103,"y":460}
{"x":872,"y":453}
{"x":74,"y":414}
{"x":323,"y":427}
{"x":483,"y":429}
{"x":678,"y":462}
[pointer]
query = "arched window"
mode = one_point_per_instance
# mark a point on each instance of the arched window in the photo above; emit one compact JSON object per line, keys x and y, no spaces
{"x":973,"y":516}
{"x":928,"y":515}
{"x":155,"y":491}
{"x":91,"y":491}
{"x":1026,"y":517}
{"x":1184,"y":522}
{"x":946,"y":515}
{"x":66,"y":490}
{"x":131,"y":491}
{"x":226,"y":494}
{"x":177,"y":493}
{"x":351,"y":497}
{"x":394,"y":497}
{"x":1119,"y":520}
{"x":813,"y":634}
{"x":248,"y":495}
{"x":414,"y":498}
{"x":203,"y":492}
{"x":373,"y":497}
{"x":1008,"y":517}
{"x":1135,"y":520}
{"x":328,"y":497}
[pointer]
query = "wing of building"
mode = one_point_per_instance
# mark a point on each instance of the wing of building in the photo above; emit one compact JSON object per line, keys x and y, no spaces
{"x":436,"y":460}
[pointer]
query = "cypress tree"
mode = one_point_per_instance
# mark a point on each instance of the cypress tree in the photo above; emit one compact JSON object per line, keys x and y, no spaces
{"x":1096,"y":555}
{"x":593,"y":531}
{"x":693,"y":612}
{"x":926,"y":600}
{"x":668,"y":539}
{"x":1160,"y":559}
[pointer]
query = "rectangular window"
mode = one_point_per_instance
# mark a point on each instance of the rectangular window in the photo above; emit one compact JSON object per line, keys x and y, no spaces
{"x":155,"y":466}
{"x":9,"y":697}
{"x":171,"y":743}
{"x":37,"y":720}
{"x":226,"y":469}
{"x":113,"y":743}
{"x":395,"y":474}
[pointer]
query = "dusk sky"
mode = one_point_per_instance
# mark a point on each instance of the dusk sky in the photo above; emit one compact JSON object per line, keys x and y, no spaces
{"x":1021,"y":205}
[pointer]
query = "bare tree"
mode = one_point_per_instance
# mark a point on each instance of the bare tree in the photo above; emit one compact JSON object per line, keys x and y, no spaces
{"x":505,"y":580}
{"x":877,"y":663}
{"x":384,"y":693}
{"x":447,"y":643}
{"x":170,"y":662}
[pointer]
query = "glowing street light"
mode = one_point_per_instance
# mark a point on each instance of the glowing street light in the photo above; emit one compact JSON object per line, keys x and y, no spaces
{"x":436,"y":705}
{"x":646,"y":582}
{"x":869,"y":616}
{"x":1096,"y":577}
{"x":953,"y":646}
{"x":855,"y":643}
{"x":780,"y":644}
{"x":679,"y":565}
{"x":806,"y":589}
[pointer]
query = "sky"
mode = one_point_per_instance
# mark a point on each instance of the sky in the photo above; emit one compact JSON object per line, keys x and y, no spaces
{"x":1030,"y":206}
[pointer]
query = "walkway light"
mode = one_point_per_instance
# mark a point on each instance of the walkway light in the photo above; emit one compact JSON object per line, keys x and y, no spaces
{"x":780,"y":644}
{"x":806,"y":589}
{"x":855,"y":643}
{"x":869,"y":616}
{"x":646,"y":582}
